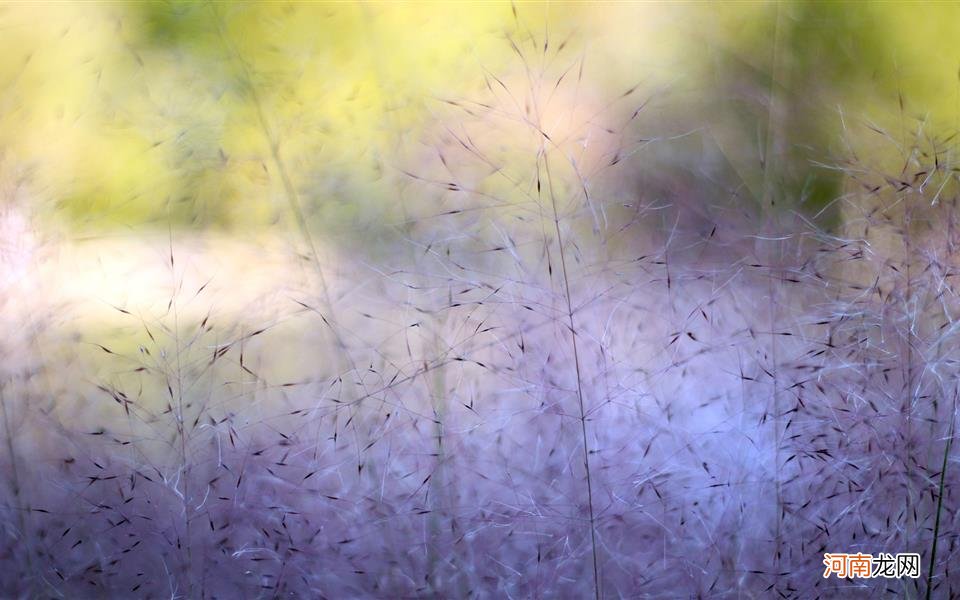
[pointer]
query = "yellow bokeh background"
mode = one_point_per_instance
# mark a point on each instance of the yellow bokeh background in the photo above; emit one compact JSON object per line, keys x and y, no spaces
{"x":151,"y":114}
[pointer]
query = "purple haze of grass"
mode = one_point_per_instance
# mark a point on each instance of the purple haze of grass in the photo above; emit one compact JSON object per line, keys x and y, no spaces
{"x":553,"y":388}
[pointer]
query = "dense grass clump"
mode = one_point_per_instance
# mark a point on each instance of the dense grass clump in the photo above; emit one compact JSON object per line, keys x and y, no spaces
{"x":574,"y":374}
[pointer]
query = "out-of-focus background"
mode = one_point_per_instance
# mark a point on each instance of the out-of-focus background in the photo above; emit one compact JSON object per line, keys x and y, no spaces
{"x":150,"y":115}
{"x":121,"y":121}
{"x":354,"y":239}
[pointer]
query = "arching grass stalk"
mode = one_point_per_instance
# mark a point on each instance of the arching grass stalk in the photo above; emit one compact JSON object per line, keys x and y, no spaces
{"x":181,"y":424}
{"x":576,"y":363}
{"x":774,"y":139}
{"x":936,"y":525}
{"x":345,"y":360}
{"x":18,"y":506}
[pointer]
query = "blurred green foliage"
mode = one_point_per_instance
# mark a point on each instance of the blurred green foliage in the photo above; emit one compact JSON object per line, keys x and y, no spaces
{"x":145,"y":113}
{"x":786,"y":82}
